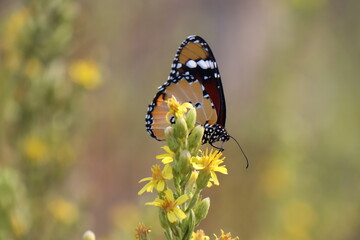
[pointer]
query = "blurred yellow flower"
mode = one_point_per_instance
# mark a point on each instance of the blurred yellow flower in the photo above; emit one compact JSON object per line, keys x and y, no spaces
{"x":85,"y":73}
{"x":142,"y":231}
{"x":63,"y":211}
{"x":298,"y":218}
{"x":121,"y":209}
{"x":276,"y":181}
{"x":224,"y":236}
{"x":35,"y":149}
{"x":19,"y":225}
{"x":11,"y":36}
{"x":124,"y":216}
{"x":199,"y":235}
{"x":13,"y":26}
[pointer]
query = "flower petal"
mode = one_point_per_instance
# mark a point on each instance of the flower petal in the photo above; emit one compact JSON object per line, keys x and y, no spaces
{"x":167,"y":149}
{"x":167,"y":172}
{"x":169,"y":195}
{"x":171,"y":216}
{"x":167,"y":160}
{"x":160,"y":186}
{"x":214,"y":178}
{"x":158,"y":202}
{"x":179,"y":213}
{"x":148,"y":188}
{"x":221,"y":169}
{"x":161,"y":156}
{"x":145,"y":179}
{"x":180,"y":200}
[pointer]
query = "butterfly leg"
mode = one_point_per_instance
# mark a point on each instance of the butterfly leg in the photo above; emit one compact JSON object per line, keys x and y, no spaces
{"x":218,"y":148}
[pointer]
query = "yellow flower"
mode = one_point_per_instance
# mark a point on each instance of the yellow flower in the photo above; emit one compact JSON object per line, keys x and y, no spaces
{"x":86,"y":73}
{"x":35,"y":149}
{"x":157,"y":180}
{"x":166,"y":157}
{"x":225,"y":236}
{"x":199,"y":235}
{"x":210,"y":162}
{"x":63,"y":211}
{"x":176,"y":108}
{"x":170,"y":205}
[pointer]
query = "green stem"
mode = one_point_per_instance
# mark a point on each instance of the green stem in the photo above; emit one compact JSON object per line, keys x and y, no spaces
{"x":193,"y":200}
{"x":168,"y":234}
{"x":177,"y":186}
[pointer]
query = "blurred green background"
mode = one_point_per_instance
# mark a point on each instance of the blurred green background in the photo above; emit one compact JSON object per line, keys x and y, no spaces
{"x":75,"y":81}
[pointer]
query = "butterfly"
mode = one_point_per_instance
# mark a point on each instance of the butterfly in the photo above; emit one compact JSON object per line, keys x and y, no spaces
{"x":194,"y":78}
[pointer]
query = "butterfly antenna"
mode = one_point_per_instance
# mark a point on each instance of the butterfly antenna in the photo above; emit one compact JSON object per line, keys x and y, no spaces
{"x":247,"y":160}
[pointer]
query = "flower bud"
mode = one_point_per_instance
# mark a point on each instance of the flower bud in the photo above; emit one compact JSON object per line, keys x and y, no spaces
{"x":189,"y":225}
{"x":203,"y":179}
{"x":192,"y":180}
{"x":202,"y":209}
{"x":191,"y":118}
{"x":184,"y":162}
{"x":180,"y":129}
{"x":89,"y":235}
{"x":170,"y":140}
{"x":195,"y":139}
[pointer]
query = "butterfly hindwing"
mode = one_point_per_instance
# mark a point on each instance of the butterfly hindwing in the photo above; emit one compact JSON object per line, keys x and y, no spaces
{"x":184,"y":89}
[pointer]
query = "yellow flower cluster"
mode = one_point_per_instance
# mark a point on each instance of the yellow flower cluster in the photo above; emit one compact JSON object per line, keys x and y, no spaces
{"x":187,"y":171}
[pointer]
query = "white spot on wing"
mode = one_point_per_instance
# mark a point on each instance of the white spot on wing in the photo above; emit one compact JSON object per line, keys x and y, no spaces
{"x":203,"y":64}
{"x":191,"y":64}
{"x":211,"y":64}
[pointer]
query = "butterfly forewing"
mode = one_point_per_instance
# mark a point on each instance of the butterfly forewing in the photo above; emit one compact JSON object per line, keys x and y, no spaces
{"x":194,"y":57}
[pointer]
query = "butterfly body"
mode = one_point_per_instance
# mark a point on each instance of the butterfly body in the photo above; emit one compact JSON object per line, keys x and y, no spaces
{"x":194,"y":78}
